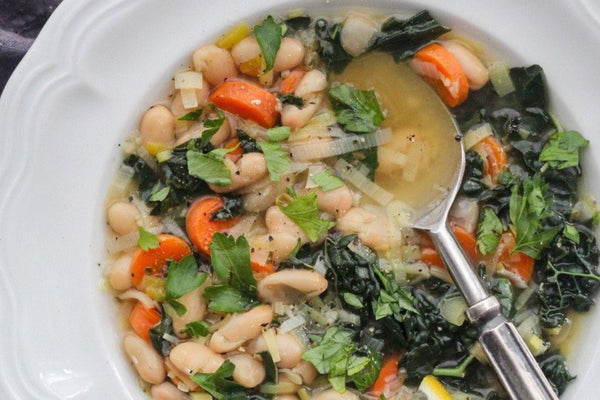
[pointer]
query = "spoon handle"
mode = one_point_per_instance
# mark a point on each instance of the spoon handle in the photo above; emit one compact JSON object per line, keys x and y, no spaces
{"x":515,"y":366}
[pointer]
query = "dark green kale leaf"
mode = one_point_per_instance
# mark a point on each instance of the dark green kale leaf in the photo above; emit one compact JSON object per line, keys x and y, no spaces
{"x":404,"y":37}
{"x":555,"y":368}
{"x":296,"y":24}
{"x":157,"y":333}
{"x":289,"y":98}
{"x":330,"y":50}
{"x":248,"y":144}
{"x":567,"y":276}
{"x":233,"y":207}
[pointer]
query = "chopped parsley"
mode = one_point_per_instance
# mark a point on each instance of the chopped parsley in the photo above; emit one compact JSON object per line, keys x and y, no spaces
{"x":147,"y":240}
{"x":209,"y":166}
{"x":489,"y":230}
{"x":356,"y":110}
{"x":182,"y":278}
{"x":303,"y":210}
{"x":191,"y":116}
{"x":326,"y":180}
{"x":562,"y":149}
{"x":268,"y":35}
{"x":219,"y":383}
{"x":276,"y":159}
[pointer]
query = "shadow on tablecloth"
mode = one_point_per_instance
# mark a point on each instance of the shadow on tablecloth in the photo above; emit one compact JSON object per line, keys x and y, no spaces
{"x":20,"y":22}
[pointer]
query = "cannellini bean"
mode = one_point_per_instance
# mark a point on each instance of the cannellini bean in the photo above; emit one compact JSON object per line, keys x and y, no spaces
{"x":290,"y":350}
{"x":250,"y":168}
{"x":335,"y":202}
{"x":119,"y":275}
{"x":331,"y":394}
{"x":307,"y":372}
{"x":177,"y":107}
{"x":357,"y":33}
{"x":147,"y":362}
{"x":245,"y":50}
{"x":291,"y":286}
{"x":372,"y":229}
{"x":198,"y":129}
{"x":240,"y":328}
{"x":262,"y":194}
{"x":248,"y":372}
{"x":215,"y":63}
{"x":184,"y":381}
{"x":309,"y":89}
{"x":195,"y":305}
{"x":286,"y":386}
{"x":157,"y":126}
{"x":167,"y":391}
{"x":123,"y":217}
{"x":290,"y":54}
{"x":465,"y":212}
{"x":276,"y":247}
{"x":192,"y":357}
{"x":477,"y":74}
{"x":277,"y":222}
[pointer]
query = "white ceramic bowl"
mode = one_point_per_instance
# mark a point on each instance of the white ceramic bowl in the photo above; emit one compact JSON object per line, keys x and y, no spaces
{"x":79,"y":92}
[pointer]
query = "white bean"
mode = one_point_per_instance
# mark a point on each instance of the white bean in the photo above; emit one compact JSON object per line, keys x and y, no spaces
{"x":276,"y":247}
{"x":291,"y":286}
{"x":312,"y":82}
{"x":372,"y":229}
{"x":245,"y":50}
{"x":215,"y":63}
{"x":277,"y":222}
{"x":123,"y":217}
{"x":192,"y":357}
{"x":167,"y":391}
{"x":195,"y":305}
{"x":336,"y":202}
{"x":157,"y":126}
{"x":309,"y":89}
{"x":250,"y":168}
{"x":477,"y":74}
{"x":331,"y":394}
{"x":290,"y":54}
{"x":307,"y":372}
{"x":119,"y":275}
{"x":147,"y":362}
{"x":290,"y":350}
{"x":357,"y":33}
{"x":240,"y":328}
{"x":248,"y":372}
{"x":285,"y":397}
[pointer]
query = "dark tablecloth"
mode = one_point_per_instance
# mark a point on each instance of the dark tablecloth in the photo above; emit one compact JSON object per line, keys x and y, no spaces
{"x":20,"y":23}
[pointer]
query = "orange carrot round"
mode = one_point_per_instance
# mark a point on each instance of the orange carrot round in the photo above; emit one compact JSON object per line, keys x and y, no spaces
{"x":200,"y":228}
{"x":143,"y":319}
{"x":154,"y":261}
{"x":467,"y":241}
{"x":246,"y":100}
{"x":494,"y":156}
{"x":389,"y":369}
{"x":443,"y":72}
{"x":514,"y":261}
{"x":290,"y":83}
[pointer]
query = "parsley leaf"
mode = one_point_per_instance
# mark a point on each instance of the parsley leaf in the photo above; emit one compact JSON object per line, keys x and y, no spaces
{"x":571,"y":233}
{"x":231,"y":262}
{"x":269,"y":35}
{"x":209,"y":167}
{"x":182,"y":278}
{"x":276,"y":158}
{"x":304,"y":212}
{"x":562,"y":149}
{"x":191,"y":116}
{"x":278,"y":134}
{"x":219,"y":382}
{"x":211,"y":127}
{"x":197,"y":329}
{"x":159,"y":195}
{"x":339,"y":356}
{"x":356,"y":110}
{"x":529,"y":206}
{"x":489,"y":230}
{"x":147,"y":240}
{"x":326,"y":180}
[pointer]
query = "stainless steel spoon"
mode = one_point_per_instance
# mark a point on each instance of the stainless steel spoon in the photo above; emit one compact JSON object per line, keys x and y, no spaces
{"x":518,"y":371}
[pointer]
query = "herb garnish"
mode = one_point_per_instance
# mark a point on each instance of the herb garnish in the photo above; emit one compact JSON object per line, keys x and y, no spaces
{"x":219,"y":383}
{"x":562,"y":149}
{"x":210,"y":166}
{"x":147,"y":240}
{"x":489,"y":230}
{"x":356,"y":110}
{"x":182,"y":278}
{"x":276,"y":159}
{"x":326,"y":180}
{"x":303,"y":210}
{"x":269,"y":35}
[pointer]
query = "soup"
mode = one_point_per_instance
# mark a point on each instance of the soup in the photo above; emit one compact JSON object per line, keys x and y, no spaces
{"x":260,"y":224}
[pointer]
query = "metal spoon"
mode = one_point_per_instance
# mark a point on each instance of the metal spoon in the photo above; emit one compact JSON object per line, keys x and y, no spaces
{"x":518,"y":371}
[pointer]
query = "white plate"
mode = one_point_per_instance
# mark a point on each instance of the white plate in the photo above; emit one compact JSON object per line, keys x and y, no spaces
{"x":79,"y":91}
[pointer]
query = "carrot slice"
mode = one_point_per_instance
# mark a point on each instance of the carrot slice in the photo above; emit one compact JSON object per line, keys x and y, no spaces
{"x":389,"y":369}
{"x":200,"y":228}
{"x":443,"y":72}
{"x":143,"y":319}
{"x":246,"y":100}
{"x":514,"y":261}
{"x":291,"y":82}
{"x":154,"y":261}
{"x":494,"y":156}
{"x":466,"y":239}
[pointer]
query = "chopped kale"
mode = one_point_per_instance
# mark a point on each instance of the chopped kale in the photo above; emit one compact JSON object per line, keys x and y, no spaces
{"x":331,"y":51}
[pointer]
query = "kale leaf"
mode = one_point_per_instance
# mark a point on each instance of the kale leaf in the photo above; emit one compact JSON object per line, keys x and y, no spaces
{"x":330,"y":50}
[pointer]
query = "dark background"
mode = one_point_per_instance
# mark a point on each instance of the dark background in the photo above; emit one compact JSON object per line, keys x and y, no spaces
{"x":20,"y":22}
